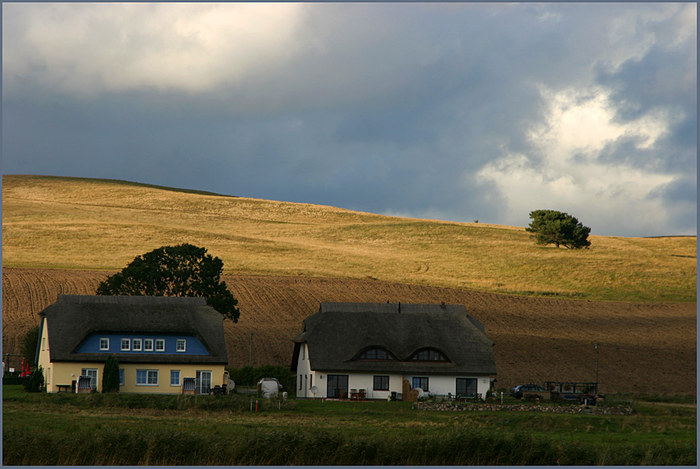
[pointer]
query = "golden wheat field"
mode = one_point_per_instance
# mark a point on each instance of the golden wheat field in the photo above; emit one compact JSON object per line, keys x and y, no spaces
{"x":85,"y":224}
{"x":636,"y":297}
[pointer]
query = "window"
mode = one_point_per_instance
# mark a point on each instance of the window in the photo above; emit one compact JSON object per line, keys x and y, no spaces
{"x":381,"y":383}
{"x":48,"y":375}
{"x":121,"y":376}
{"x":420,"y":382}
{"x":174,"y":377}
{"x":466,"y":387}
{"x":160,"y":345}
{"x":180,"y":345}
{"x":43,"y":343}
{"x":429,"y":354}
{"x":147,"y":377}
{"x":136,"y":345}
{"x":126,"y":345}
{"x":300,"y":384}
{"x":376,"y":353}
{"x":104,"y":343}
{"x":303,"y":351}
{"x":147,"y":345}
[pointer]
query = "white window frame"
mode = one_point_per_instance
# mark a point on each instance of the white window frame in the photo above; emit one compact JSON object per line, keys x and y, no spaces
{"x":134,"y":348}
{"x":182,"y":342}
{"x":101,"y":347}
{"x":128,"y":344}
{"x":145,"y":345}
{"x":161,"y":343}
{"x":149,"y":375}
{"x":88,"y":372}
{"x":179,"y":378}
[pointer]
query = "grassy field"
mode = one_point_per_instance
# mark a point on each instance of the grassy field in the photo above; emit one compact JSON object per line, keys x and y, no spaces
{"x":88,"y":224}
{"x":71,"y":429}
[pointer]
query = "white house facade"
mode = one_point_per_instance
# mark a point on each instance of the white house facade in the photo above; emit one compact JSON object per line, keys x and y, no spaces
{"x":380,"y":350}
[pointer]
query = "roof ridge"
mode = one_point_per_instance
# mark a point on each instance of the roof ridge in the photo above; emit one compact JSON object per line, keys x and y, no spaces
{"x":133,"y":299}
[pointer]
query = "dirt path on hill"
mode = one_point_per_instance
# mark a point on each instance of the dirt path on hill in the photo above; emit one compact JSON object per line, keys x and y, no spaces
{"x":644,"y":348}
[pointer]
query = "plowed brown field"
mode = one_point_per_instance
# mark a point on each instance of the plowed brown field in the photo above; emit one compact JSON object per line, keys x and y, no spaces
{"x":644,"y":348}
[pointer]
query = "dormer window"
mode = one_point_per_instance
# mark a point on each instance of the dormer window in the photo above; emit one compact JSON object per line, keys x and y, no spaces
{"x":376,"y":353}
{"x":136,"y":345}
{"x":104,"y":343}
{"x":147,"y":345}
{"x":180,"y":345}
{"x":429,"y":355}
{"x":160,"y":345}
{"x":126,"y":344}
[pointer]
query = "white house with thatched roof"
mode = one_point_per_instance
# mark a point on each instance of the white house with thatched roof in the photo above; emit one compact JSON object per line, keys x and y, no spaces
{"x":371,"y":350}
{"x":164,"y":345}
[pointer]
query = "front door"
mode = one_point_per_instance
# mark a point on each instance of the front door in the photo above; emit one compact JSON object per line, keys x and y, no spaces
{"x":92,"y":373}
{"x":203,"y":381}
{"x":337,"y":386}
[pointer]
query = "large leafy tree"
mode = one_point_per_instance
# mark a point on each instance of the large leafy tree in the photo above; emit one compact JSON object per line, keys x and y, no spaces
{"x":182,"y":270}
{"x":560,"y":228}
{"x":29,"y":343}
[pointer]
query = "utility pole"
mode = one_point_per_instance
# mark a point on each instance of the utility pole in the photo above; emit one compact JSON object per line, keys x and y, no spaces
{"x":596,"y":366}
{"x":251,"y":349}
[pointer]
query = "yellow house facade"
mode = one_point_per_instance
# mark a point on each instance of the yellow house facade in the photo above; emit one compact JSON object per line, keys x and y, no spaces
{"x":165,"y":345}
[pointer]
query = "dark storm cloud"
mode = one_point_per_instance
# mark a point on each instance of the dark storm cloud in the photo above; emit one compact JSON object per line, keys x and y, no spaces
{"x":385,"y":108}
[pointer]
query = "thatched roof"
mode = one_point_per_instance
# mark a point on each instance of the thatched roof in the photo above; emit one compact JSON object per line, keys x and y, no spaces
{"x":73,"y":317}
{"x":340,"y":331}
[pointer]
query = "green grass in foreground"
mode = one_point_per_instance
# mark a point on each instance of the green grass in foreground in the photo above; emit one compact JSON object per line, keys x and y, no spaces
{"x":118,"y":429}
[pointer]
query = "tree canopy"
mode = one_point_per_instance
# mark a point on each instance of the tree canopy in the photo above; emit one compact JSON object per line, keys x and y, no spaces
{"x":29,"y":343}
{"x":560,"y":228}
{"x":182,"y":270}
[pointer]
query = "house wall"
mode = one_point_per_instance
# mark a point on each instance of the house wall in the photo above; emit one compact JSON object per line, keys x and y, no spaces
{"x":64,"y":373}
{"x":439,"y":385}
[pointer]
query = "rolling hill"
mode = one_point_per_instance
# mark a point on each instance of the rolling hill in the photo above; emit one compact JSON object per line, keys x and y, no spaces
{"x":543,"y":307}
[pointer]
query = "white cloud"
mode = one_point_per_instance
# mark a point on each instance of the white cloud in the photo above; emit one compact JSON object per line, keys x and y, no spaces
{"x":87,"y":48}
{"x":565,"y":171}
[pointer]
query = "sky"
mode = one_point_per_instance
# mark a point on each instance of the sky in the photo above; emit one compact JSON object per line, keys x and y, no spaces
{"x":452,"y":111}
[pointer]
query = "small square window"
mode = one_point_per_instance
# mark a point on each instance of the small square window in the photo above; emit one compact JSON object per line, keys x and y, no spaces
{"x":126,"y":345}
{"x":147,"y":345}
{"x":160,"y":345}
{"x":381,"y":383}
{"x":136,"y":345}
{"x":104,"y":343}
{"x":180,"y":345}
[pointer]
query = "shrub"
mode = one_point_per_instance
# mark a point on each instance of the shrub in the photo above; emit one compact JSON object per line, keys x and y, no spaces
{"x":110,"y":376}
{"x":35,"y":383}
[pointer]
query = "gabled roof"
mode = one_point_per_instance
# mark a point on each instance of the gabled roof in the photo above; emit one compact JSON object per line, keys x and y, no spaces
{"x":340,"y":331}
{"x":73,"y":317}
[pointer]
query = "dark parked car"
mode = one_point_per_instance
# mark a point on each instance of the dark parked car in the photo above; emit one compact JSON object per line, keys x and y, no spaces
{"x":530,"y":391}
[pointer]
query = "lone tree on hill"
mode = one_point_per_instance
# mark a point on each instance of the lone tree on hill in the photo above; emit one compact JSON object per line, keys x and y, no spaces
{"x":554,"y":227}
{"x":183,"y":270}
